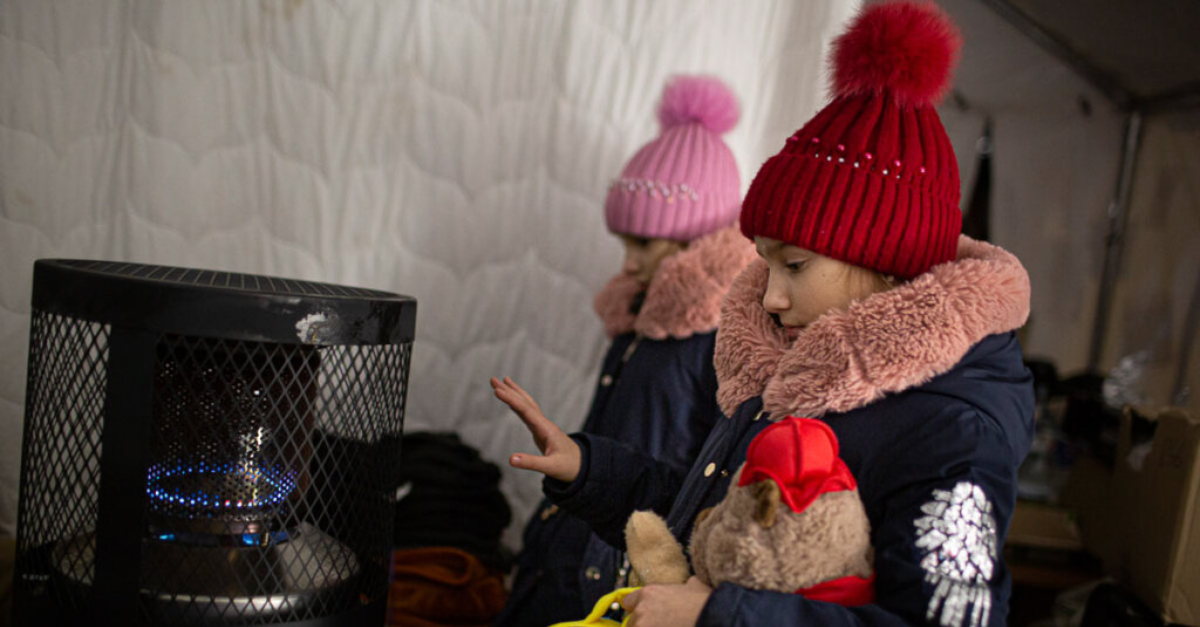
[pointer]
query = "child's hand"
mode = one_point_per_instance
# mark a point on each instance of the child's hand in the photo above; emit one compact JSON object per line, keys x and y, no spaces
{"x":668,"y":605}
{"x":560,"y":458}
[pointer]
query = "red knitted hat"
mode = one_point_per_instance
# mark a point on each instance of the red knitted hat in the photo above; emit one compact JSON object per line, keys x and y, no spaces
{"x":872,"y":180}
{"x":801,"y":456}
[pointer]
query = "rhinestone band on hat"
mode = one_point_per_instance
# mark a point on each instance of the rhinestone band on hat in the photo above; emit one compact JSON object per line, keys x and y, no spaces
{"x":656,"y":189}
{"x":864,"y":160}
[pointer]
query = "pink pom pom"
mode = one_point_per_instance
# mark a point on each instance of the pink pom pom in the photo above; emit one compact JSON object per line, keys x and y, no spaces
{"x":906,"y":49}
{"x":698,"y":99}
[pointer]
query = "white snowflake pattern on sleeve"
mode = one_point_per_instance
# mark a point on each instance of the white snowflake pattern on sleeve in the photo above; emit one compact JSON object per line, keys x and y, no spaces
{"x":958,"y":537}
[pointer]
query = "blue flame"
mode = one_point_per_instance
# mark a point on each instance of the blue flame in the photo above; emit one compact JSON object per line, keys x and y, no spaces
{"x":268,"y":487}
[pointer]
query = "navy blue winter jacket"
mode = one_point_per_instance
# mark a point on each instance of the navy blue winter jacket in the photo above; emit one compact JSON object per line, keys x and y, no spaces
{"x":662,"y":401}
{"x":926,"y":390}
{"x":657,"y":396}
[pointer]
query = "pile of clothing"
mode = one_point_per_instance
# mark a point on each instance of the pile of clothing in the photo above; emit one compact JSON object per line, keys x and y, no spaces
{"x":448,"y":563}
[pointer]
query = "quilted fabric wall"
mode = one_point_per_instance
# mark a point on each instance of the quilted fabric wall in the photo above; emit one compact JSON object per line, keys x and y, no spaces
{"x":454,"y":151}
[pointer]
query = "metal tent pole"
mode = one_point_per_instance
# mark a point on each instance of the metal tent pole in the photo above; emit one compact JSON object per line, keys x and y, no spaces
{"x":1118,"y":218}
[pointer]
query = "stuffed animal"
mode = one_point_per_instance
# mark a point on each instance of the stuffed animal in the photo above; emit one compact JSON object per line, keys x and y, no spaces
{"x":792,"y":521}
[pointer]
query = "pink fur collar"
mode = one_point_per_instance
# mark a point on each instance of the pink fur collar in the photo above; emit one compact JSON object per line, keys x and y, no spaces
{"x":888,"y":342}
{"x":685,"y":294}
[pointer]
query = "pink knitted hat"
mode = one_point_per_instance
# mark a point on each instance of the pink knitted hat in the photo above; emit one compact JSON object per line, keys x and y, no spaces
{"x":684,"y":184}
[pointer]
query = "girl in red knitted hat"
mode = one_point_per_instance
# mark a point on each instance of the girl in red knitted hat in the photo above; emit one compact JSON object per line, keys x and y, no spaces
{"x":868,"y":311}
{"x":675,"y":208}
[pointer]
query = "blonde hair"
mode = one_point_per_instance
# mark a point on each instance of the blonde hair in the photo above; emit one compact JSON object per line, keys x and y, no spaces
{"x":862,"y":282}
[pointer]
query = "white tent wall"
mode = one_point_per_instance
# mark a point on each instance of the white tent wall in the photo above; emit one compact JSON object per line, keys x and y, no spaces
{"x":1160,"y":269}
{"x":455,"y":151}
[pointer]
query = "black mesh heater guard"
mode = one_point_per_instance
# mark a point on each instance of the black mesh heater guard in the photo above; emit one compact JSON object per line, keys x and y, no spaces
{"x":208,"y":448}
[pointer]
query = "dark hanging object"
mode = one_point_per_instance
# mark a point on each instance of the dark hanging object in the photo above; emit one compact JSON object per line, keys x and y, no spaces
{"x":208,"y":448}
{"x":978,"y":214}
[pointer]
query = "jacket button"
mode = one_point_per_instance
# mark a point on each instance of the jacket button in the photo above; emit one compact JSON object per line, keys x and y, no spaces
{"x":606,"y":380}
{"x":592,"y":573}
{"x":710,"y":469}
{"x":616,"y":606}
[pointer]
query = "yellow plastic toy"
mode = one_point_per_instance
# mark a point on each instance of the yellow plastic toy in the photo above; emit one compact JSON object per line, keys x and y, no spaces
{"x":598,"y":612}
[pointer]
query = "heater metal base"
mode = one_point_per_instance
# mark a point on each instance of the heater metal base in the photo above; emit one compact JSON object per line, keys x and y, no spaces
{"x":42,"y":612}
{"x":228,"y":583}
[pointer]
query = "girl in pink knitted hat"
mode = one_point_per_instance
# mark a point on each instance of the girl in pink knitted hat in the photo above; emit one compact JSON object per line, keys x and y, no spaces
{"x":675,"y":208}
{"x":868,"y":311}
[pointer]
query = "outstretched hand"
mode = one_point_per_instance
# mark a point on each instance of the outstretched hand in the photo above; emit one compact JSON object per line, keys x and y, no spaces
{"x":560,"y":458}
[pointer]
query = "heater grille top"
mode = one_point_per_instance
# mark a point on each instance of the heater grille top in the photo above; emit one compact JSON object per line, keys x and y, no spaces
{"x":210,"y":303}
{"x":267,"y":285}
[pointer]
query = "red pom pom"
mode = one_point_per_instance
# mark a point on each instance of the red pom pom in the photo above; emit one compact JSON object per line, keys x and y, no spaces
{"x":902,"y":48}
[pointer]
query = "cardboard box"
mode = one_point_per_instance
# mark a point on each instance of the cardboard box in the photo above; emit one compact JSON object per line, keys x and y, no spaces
{"x":1040,"y":526}
{"x":1143,"y":517}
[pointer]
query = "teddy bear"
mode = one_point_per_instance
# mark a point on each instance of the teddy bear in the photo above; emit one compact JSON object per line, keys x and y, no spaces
{"x":792,"y":521}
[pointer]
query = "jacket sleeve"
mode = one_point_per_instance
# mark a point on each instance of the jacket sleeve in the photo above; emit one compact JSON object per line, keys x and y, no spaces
{"x":614,"y":481}
{"x":937,"y":545}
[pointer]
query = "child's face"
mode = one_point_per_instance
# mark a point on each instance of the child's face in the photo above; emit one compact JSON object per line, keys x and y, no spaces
{"x":643,"y":255}
{"x":803,"y":286}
